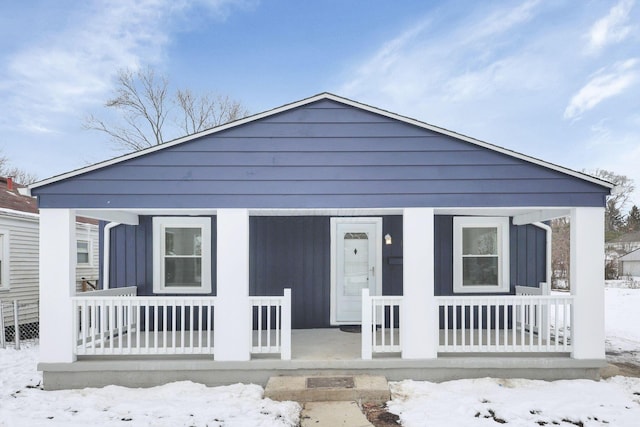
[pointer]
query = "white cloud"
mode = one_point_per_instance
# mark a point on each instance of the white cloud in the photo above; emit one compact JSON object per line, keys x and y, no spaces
{"x":612,"y":28}
{"x":604,"y":84}
{"x":464,"y":58}
{"x":69,"y":70}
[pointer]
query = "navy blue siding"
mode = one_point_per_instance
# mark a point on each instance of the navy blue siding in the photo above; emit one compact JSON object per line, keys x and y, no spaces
{"x":527,"y":259}
{"x":295,"y":252}
{"x":131,"y":255}
{"x":324,"y":154}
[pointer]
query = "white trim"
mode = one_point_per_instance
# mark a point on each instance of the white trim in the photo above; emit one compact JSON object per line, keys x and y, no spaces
{"x":511,"y":211}
{"x":377,"y":221}
{"x":548,"y":248}
{"x":159,"y":224}
{"x":307,"y":101}
{"x":23,"y":215}
{"x":5,"y":257}
{"x":502,"y":225}
{"x":106,"y":257}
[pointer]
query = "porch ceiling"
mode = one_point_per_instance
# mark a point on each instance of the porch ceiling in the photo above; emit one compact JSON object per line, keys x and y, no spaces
{"x":521,"y":215}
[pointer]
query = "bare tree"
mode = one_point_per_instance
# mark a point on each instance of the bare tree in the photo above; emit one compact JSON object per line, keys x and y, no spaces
{"x":19,"y":175}
{"x":144,"y":103}
{"x":560,"y":252}
{"x":206,"y":111}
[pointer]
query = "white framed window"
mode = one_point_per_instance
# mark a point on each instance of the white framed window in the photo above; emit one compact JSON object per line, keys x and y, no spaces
{"x":182,"y":255}
{"x":4,"y":260}
{"x":480,"y":254}
{"x":83,"y":252}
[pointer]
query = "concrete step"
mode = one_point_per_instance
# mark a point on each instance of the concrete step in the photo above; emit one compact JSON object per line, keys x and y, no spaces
{"x":333,"y":414}
{"x":356,"y":388}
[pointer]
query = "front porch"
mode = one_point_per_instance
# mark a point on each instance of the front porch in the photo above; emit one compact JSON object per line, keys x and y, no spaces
{"x":324,"y":352}
{"x":120,"y":337}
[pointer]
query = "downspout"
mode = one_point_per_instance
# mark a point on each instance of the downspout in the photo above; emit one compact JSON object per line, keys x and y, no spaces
{"x":548,"y":230}
{"x":106,"y":233}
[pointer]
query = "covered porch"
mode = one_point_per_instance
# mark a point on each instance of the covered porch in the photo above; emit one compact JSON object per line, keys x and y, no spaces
{"x":234,"y":326}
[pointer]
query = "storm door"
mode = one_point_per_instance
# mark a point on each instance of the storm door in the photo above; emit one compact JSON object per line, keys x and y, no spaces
{"x":357,"y":253}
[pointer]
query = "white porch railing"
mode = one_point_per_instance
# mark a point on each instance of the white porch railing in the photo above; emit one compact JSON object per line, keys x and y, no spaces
{"x":122,"y":325}
{"x":380,"y":315}
{"x":271,"y":318}
{"x":505,"y":323}
{"x":113,"y":292}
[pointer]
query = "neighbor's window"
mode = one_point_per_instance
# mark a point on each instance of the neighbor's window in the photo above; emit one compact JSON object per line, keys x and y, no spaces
{"x":480,"y":254}
{"x":4,"y":260}
{"x":83,"y":252}
{"x":182,"y":255}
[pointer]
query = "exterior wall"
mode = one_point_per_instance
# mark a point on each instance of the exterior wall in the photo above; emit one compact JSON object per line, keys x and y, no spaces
{"x":631,"y":268}
{"x":131,"y":256}
{"x":88,"y":232}
{"x":23,"y":265}
{"x":322,"y":155}
{"x":24,"y":261}
{"x":527,"y":257}
{"x":294,"y":252}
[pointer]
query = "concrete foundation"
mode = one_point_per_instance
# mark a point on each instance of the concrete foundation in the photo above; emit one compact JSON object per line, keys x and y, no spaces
{"x":324,"y":352}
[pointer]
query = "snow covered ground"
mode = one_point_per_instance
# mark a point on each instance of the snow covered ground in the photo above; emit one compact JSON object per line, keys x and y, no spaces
{"x":23,"y":403}
{"x":478,"y":402}
{"x":489,"y":401}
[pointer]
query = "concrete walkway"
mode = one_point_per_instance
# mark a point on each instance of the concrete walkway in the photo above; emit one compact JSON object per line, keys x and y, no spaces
{"x":333,"y":414}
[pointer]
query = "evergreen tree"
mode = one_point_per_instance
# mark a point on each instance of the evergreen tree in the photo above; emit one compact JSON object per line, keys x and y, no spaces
{"x":633,"y":219}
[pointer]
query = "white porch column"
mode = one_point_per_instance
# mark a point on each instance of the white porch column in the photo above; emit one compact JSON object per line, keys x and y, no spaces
{"x":57,"y":284}
{"x":232,"y":315}
{"x":419,"y":327}
{"x":587,"y":282}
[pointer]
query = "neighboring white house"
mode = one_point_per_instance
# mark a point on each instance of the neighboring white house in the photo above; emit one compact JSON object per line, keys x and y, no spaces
{"x":19,"y":252}
{"x":630,"y":264}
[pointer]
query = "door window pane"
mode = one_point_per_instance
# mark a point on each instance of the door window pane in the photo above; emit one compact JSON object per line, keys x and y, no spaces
{"x":356,"y":263}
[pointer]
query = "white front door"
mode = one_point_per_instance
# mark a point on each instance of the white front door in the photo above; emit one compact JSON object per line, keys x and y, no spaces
{"x":357,"y":254}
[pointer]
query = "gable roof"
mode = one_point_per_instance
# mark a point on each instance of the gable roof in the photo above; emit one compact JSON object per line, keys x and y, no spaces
{"x":11,"y":199}
{"x":631,"y":256}
{"x":316,"y":98}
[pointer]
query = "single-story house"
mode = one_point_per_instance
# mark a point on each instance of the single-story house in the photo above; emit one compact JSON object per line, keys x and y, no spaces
{"x":630,"y":264}
{"x":19,"y":248}
{"x":239,"y":252}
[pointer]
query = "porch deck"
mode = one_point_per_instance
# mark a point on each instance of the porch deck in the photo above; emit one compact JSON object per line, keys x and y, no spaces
{"x":314,"y":352}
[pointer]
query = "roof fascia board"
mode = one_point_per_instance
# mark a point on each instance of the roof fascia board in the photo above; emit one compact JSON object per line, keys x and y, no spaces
{"x":306,"y":101}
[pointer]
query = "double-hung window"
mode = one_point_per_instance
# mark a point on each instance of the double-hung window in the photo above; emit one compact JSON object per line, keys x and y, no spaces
{"x":83,"y":256}
{"x":480,"y":254}
{"x":182,"y":255}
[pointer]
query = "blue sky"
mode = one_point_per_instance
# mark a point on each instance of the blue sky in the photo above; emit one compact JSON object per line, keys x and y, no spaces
{"x":557,"y":80}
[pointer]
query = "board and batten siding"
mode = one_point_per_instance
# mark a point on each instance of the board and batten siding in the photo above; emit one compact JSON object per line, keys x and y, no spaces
{"x":527,"y":255}
{"x":131,"y":256}
{"x":325,"y":154}
{"x":294,"y":252}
